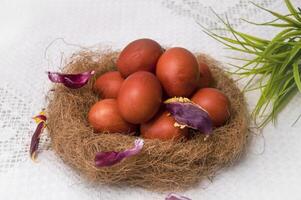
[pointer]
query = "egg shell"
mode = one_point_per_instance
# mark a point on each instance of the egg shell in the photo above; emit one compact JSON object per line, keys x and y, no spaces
{"x":178,"y":72}
{"x":108,"y":84}
{"x":206,"y":78}
{"x":104,"y":116}
{"x":215,"y":103}
{"x":139,"y":97}
{"x":162,"y":127}
{"x":139,"y":55}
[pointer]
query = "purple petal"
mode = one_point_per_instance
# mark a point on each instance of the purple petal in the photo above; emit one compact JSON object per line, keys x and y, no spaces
{"x":105,"y":159}
{"x":173,"y":196}
{"x":73,"y":81}
{"x":191,"y":115}
{"x":40,"y":117}
{"x":35,"y":139}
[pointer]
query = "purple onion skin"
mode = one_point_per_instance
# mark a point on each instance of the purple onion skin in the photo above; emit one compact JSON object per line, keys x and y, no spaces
{"x":173,"y":196}
{"x":41,"y":117}
{"x":191,"y":115}
{"x":73,"y":81}
{"x":106,"y":159}
{"x":35,"y":139}
{"x":34,"y":144}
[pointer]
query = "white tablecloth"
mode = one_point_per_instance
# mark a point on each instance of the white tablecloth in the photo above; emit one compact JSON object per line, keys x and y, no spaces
{"x":271,"y":168}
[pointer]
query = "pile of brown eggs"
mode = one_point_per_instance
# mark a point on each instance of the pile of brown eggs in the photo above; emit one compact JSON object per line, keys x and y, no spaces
{"x":132,"y":97}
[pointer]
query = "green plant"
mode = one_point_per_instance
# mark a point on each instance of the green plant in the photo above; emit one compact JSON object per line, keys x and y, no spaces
{"x":275,"y":64}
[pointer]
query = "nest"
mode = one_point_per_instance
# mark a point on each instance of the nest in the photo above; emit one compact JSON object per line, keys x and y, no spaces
{"x":160,"y":166}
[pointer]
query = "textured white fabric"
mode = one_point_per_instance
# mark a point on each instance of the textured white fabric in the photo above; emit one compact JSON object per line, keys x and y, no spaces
{"x":269,"y":170}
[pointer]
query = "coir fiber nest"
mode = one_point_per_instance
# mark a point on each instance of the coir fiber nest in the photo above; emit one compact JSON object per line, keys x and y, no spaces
{"x":160,"y":166}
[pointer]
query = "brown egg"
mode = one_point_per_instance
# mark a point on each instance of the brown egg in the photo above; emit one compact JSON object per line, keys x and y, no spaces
{"x":108,"y":84}
{"x":139,"y":55}
{"x":162,"y":127}
{"x":205,"y":75}
{"x":139,"y":97}
{"x":215,"y":103}
{"x":178,"y":72}
{"x":105,"y":116}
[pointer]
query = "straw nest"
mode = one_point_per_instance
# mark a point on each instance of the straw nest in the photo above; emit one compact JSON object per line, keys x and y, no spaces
{"x":160,"y":166}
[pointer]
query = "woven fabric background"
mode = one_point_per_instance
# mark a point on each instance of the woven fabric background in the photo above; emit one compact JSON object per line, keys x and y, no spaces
{"x":36,"y":36}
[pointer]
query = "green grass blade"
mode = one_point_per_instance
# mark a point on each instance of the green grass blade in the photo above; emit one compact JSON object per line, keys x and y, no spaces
{"x":228,"y":45}
{"x":270,"y":24}
{"x":297,"y":74}
{"x":265,"y":23}
{"x":229,"y":27}
{"x":254,"y":38}
{"x":283,"y":100}
{"x":296,"y":49}
{"x":292,"y":10}
{"x":281,"y":17}
{"x":286,"y":85}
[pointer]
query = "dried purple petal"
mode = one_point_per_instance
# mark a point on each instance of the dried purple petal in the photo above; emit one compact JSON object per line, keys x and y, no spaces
{"x":105,"y":159}
{"x":35,"y":139}
{"x":40,"y":117}
{"x":173,"y":196}
{"x":73,"y":81}
{"x":187,"y":113}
